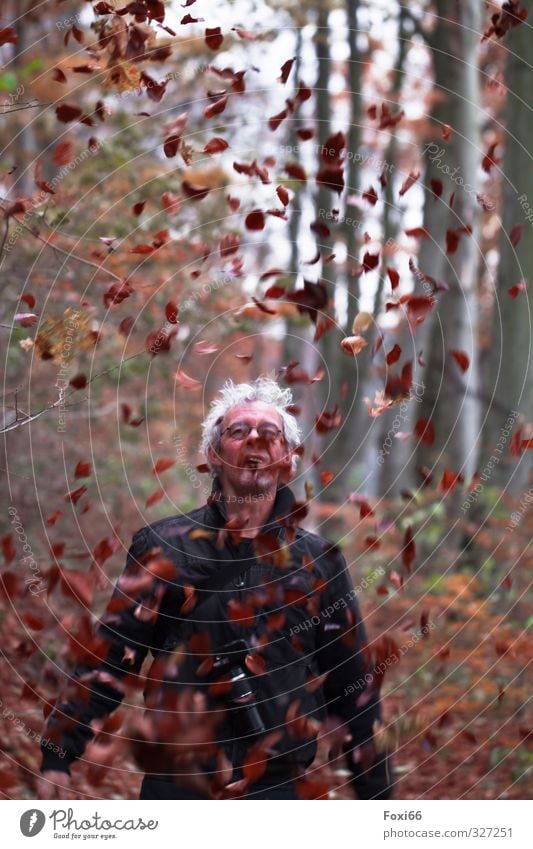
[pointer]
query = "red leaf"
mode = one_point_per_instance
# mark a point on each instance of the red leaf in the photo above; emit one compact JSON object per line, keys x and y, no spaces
{"x":162,"y":465}
{"x":370,"y":261}
{"x":516,"y":234}
{"x":394,"y":355}
{"x":327,"y":421}
{"x":489,"y":159}
{"x":331,"y":177}
{"x":285,"y":71}
{"x":8,"y":35}
{"x":216,"y":107}
{"x":118,"y":292}
{"x":462,"y":359}
{"x":409,"y":181}
{"x":394,"y":277}
{"x":171,"y":312}
{"x":424,"y":431}
{"x":25,"y":319}
{"x":66,"y":113}
{"x":59,"y":76}
{"x":74,"y":495}
{"x":63,"y":153}
{"x":436,"y":187}
{"x":518,"y":287}
{"x":371,"y":196}
{"x":255,"y":664}
{"x":283,"y":195}
{"x":275,"y":120}
{"x":255,"y":220}
{"x":194,"y":192}
{"x":449,"y":480}
{"x":213,"y":38}
{"x":452,"y":240}
{"x":216,"y":145}
{"x":296,"y":171}
{"x":83,"y":469}
{"x":138,"y":207}
{"x":417,"y":233}
{"x":171,"y":202}
{"x":155,"y":496}
{"x":187,"y":382}
{"x":171,"y":145}
{"x":79,"y":381}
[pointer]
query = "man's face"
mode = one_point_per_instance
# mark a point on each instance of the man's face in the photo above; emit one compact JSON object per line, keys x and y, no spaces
{"x":252,"y":464}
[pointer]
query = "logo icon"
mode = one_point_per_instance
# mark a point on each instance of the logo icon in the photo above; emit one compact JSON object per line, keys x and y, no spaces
{"x":32,"y":822}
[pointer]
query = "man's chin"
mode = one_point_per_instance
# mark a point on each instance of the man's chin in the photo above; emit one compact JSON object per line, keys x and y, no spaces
{"x":256,"y":481}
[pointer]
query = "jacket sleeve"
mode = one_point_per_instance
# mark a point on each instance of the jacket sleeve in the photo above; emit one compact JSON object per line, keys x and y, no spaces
{"x":127,"y":639}
{"x":342,"y":653}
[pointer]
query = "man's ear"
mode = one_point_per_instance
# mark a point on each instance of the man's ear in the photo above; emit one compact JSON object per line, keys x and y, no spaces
{"x":213,"y":458}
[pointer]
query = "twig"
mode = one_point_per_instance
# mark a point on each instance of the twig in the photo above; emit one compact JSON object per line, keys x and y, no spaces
{"x":60,"y":401}
{"x":69,"y":254}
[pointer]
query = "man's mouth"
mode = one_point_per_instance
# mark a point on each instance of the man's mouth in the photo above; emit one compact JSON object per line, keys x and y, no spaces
{"x":254,"y":463}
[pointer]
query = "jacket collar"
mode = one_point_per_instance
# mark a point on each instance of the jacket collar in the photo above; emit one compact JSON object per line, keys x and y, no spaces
{"x":283,"y":505}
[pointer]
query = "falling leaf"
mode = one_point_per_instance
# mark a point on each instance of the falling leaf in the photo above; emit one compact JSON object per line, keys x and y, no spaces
{"x":353,"y":345}
{"x":410,"y":180}
{"x":63,"y":153}
{"x":74,"y":495}
{"x":83,"y":469}
{"x":370,"y":261}
{"x":362,"y":321}
{"x":194,"y":192}
{"x":518,"y":287}
{"x":215,"y":145}
{"x":25,"y":319}
{"x":186,"y":381}
{"x":424,"y":431}
{"x":214,"y":38}
{"x":162,"y":465}
{"x":394,"y":278}
{"x":516,"y":234}
{"x":462,"y":359}
{"x":255,"y":220}
{"x":216,"y":107}
{"x":394,"y":355}
{"x":66,"y":113}
{"x":285,"y":71}
{"x":155,"y":496}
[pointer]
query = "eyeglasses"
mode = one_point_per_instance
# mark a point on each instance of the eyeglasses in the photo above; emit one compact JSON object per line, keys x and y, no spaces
{"x":240,"y":430}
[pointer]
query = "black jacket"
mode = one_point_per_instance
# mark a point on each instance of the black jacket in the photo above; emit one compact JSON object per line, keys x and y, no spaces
{"x":294,"y":604}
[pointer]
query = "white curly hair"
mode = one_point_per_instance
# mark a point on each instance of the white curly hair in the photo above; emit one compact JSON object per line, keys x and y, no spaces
{"x":263,"y":389}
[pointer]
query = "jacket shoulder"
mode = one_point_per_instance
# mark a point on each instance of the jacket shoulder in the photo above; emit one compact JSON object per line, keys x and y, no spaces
{"x":172,"y":525}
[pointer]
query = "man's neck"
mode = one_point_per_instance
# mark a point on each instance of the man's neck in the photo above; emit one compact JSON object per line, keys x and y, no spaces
{"x":248,"y":512}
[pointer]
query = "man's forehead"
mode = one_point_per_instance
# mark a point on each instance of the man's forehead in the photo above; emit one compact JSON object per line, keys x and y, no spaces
{"x":253,"y":410}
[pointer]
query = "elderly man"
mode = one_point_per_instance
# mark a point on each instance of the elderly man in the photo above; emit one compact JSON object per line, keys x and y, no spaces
{"x":254,"y":627}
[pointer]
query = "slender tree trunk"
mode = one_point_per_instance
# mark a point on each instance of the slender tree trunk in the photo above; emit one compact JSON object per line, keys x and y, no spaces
{"x":510,"y":388}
